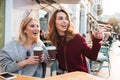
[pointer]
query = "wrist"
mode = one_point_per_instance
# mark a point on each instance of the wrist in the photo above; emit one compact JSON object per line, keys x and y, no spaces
{"x":22,"y":63}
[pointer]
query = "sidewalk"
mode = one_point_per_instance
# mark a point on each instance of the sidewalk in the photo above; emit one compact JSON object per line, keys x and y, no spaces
{"x":115,"y":64}
{"x":115,"y":61}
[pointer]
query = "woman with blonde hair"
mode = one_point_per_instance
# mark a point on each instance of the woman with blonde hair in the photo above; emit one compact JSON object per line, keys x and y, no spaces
{"x":71,"y":46}
{"x":18,"y":57}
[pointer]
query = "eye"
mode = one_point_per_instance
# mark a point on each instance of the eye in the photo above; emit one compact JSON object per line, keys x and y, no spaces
{"x":60,"y":18}
{"x":37,"y":26}
{"x":32,"y":25}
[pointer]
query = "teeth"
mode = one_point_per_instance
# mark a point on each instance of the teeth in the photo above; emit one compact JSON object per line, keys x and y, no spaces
{"x":63,"y":26}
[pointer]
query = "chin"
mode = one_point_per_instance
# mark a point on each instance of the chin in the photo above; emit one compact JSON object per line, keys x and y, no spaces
{"x":64,"y":30}
{"x":35,"y":39}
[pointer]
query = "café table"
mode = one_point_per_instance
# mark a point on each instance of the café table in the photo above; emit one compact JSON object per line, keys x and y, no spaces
{"x":77,"y":75}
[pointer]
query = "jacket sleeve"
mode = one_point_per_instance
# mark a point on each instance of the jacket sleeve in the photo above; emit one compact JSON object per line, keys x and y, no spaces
{"x":91,"y":52}
{"x":7,"y":64}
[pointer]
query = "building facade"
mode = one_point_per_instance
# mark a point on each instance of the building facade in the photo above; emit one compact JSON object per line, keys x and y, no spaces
{"x":13,"y":11}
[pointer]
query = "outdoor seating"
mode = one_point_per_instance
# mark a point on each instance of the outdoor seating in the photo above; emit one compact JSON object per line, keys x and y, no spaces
{"x":53,"y":67}
{"x":103,"y":56}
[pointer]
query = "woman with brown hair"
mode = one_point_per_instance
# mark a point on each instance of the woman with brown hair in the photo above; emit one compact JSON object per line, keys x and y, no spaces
{"x":71,"y":46}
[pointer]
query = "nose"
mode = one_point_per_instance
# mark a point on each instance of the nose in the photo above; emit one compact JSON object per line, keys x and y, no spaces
{"x":64,"y":20}
{"x":36,"y":28}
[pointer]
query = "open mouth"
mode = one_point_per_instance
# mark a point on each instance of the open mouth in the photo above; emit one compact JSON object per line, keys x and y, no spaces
{"x":35,"y":33}
{"x":64,"y":26}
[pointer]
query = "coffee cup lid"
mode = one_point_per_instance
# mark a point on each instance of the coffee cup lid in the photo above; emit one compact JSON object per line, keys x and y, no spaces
{"x":51,"y":48}
{"x":38,"y":48}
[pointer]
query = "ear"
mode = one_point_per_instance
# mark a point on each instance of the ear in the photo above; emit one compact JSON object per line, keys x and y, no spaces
{"x":24,"y":31}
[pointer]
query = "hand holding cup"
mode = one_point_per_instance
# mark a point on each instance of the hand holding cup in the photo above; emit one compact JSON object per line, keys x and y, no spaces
{"x":38,"y":51}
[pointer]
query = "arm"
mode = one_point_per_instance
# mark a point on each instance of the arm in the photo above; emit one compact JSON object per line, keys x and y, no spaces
{"x":7,"y":64}
{"x":30,"y":61}
{"x":92,"y":53}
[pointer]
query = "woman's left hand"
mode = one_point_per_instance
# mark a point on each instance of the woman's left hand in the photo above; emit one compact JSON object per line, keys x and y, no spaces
{"x":98,"y":34}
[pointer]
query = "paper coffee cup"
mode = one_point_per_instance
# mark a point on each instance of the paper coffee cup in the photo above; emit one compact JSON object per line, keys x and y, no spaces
{"x":52,"y":52}
{"x":38,"y":51}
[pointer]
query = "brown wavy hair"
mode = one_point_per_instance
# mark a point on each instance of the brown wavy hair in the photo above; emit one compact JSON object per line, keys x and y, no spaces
{"x":52,"y":31}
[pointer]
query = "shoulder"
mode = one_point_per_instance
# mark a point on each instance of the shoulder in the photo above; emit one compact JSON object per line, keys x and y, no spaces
{"x":79,"y":36}
{"x":10,"y":47}
{"x":11,"y":44}
{"x":41,"y":44}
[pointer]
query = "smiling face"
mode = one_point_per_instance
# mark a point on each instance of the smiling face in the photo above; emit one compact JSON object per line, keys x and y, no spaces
{"x":61,"y":23}
{"x":32,"y":30}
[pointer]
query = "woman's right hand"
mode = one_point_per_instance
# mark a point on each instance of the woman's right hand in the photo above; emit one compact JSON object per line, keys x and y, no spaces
{"x":29,"y":61}
{"x":33,"y":60}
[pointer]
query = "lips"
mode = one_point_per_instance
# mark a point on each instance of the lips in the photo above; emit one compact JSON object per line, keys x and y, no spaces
{"x":64,"y":26}
{"x":35,"y":33}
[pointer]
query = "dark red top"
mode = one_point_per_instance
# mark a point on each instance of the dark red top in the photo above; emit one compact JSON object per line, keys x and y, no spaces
{"x":71,"y":56}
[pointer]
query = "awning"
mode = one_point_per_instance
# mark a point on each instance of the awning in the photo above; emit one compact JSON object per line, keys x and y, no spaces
{"x":59,"y":1}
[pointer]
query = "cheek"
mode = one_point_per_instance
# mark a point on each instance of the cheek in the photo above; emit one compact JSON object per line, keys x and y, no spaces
{"x":67,"y":22}
{"x":57,"y":22}
{"x":27,"y":31}
{"x":57,"y":25}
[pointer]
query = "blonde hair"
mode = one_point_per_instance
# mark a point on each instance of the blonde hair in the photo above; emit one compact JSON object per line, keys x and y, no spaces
{"x":53,"y":35}
{"x":22,"y":38}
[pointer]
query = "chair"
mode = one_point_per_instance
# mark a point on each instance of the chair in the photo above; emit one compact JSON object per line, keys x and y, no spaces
{"x":103,"y":56}
{"x":88,"y":65}
{"x":54,"y":67}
